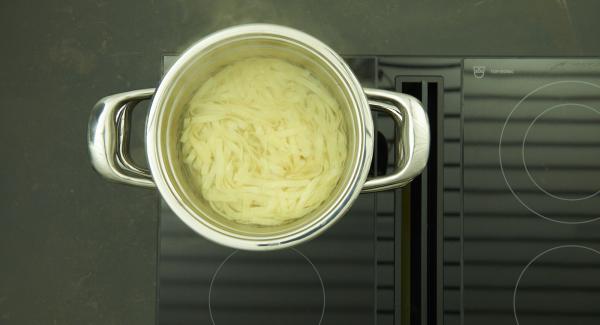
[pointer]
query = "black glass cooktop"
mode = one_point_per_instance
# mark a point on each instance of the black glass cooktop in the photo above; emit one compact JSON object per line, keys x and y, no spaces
{"x":531,"y":176}
{"x":501,"y":228}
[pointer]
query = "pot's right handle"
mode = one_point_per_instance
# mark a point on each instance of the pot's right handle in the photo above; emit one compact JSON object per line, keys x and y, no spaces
{"x":412,"y":138}
{"x":108,"y":136}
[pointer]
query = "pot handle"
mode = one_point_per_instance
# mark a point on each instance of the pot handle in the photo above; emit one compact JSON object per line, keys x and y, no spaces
{"x":108,"y":138}
{"x":412,"y":138}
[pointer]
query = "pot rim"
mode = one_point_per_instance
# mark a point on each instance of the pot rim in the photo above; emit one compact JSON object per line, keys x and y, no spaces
{"x":353,"y":186}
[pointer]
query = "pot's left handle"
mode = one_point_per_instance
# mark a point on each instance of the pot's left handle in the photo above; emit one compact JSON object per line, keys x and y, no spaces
{"x":108,"y":136}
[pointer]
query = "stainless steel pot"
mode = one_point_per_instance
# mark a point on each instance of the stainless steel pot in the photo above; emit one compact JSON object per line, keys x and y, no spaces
{"x":108,"y":133}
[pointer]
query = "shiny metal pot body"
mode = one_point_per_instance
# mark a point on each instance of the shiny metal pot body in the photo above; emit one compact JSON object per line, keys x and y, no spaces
{"x":109,"y":123}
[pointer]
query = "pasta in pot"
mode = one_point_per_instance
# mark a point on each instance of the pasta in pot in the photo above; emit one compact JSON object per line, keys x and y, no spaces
{"x":264,"y":141}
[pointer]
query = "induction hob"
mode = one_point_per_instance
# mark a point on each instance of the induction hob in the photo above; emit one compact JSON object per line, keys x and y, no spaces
{"x":501,"y":228}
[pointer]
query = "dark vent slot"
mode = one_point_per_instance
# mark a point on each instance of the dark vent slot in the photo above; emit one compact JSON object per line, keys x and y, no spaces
{"x":437,"y":214}
{"x":420,"y":221}
{"x":412,"y":88}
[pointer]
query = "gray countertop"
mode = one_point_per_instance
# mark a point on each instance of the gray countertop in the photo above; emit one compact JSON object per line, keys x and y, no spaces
{"x":75,"y":249}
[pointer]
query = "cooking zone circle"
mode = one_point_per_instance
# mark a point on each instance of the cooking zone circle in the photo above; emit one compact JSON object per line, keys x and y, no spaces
{"x":549,"y":152}
{"x":546,"y":112}
{"x":554,"y":287}
{"x":278,"y":287}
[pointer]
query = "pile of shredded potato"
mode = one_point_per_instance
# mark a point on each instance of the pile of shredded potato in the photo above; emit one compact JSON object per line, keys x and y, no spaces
{"x":265,"y":141}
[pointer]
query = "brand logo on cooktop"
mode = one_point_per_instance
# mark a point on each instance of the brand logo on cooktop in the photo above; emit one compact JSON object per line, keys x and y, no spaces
{"x":479,"y":71}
